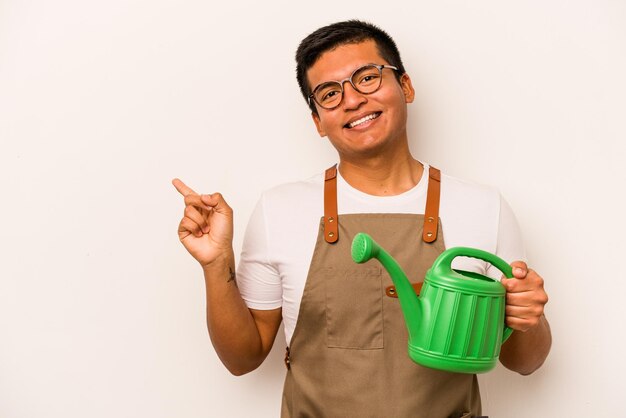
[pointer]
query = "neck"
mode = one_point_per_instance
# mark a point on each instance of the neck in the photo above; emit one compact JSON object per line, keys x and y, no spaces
{"x":382,"y":176}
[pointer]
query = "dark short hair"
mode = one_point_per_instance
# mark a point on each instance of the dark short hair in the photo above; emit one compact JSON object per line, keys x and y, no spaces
{"x":337,"y":34}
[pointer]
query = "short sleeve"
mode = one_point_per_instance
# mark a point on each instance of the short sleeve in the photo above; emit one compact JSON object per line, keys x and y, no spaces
{"x":258,"y":280}
{"x":510,"y":246}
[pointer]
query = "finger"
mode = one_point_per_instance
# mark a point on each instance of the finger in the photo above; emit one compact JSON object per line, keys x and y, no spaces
{"x":520,"y":269}
{"x":531,"y":282}
{"x":195,"y":215}
{"x":183,"y":188}
{"x":217,"y":202}
{"x":182,"y":231}
{"x":521,"y":299}
{"x":528,"y":298}
{"x":188,"y":225}
{"x":196,"y":201}
{"x":524,"y":312}
{"x":516,"y":285}
{"x":206,"y":212}
{"x":519,"y":324}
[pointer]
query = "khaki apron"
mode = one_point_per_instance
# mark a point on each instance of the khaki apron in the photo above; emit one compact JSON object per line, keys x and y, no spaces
{"x":348,"y":354}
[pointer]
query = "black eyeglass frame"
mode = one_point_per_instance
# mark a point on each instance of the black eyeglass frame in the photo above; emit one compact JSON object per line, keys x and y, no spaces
{"x":380,"y":68}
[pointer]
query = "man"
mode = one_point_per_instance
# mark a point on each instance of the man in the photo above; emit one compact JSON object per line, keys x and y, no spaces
{"x":346,"y":335}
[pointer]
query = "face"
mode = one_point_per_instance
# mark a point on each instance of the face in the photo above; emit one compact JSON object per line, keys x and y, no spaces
{"x":362,"y":125}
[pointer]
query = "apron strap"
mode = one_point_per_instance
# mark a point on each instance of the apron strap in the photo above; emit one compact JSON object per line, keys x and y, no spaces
{"x":331,"y":232}
{"x":431,"y":215}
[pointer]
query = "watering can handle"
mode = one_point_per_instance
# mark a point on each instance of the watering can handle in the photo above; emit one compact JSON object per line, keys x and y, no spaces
{"x":444,"y":263}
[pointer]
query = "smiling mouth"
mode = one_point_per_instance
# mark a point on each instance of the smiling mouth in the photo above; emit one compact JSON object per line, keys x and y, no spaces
{"x":362,"y":120}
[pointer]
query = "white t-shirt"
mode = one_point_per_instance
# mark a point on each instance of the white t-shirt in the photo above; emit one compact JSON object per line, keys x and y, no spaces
{"x":282,"y":232}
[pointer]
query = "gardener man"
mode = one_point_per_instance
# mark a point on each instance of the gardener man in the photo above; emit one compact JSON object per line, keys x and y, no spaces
{"x":347,"y":339}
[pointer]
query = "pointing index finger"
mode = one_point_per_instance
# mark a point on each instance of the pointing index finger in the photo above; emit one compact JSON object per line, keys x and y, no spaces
{"x":183,"y":188}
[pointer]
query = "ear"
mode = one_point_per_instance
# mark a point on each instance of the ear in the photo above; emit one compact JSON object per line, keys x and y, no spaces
{"x":407,"y":88}
{"x":318,"y":124}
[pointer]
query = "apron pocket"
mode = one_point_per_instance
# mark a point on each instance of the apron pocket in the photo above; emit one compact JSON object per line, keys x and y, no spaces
{"x":354,"y":307}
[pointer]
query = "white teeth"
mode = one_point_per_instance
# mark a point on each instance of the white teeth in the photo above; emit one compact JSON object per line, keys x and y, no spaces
{"x":363,"y":120}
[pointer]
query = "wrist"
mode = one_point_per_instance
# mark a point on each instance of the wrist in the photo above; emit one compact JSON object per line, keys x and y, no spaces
{"x":223,"y":262}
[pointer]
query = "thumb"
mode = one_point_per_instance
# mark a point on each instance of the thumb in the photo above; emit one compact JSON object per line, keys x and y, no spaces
{"x":217,"y":202}
{"x":520,"y":269}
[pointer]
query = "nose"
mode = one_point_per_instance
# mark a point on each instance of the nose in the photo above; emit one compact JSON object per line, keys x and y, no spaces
{"x":352,"y":98}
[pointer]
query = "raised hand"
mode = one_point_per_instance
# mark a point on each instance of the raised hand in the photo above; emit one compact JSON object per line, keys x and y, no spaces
{"x":206,"y":229}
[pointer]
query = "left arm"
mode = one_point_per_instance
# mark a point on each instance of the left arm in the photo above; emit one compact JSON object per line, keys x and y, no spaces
{"x":527,"y":348}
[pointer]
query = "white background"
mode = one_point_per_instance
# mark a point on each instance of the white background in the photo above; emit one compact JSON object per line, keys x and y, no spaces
{"x":103,"y":103}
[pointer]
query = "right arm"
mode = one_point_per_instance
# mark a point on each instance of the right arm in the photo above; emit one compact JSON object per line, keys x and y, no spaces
{"x":242,"y":337}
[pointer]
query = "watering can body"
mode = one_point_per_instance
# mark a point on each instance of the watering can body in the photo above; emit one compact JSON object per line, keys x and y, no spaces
{"x":457,"y":322}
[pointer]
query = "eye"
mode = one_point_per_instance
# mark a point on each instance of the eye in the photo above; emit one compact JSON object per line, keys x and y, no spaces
{"x":330,"y":95}
{"x":328,"y":92}
{"x":366,"y":79}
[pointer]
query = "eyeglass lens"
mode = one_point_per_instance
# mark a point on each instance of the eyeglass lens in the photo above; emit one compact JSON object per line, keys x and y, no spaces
{"x":365,"y":80}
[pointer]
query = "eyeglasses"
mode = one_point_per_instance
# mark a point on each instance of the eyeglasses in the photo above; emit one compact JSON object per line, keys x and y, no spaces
{"x":365,"y":80}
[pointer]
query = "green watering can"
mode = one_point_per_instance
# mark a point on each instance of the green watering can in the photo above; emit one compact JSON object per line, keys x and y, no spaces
{"x":457,"y":322}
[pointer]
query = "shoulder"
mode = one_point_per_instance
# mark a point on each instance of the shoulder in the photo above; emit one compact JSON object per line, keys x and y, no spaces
{"x":469,"y":213}
{"x":294,"y":200}
{"x":296,"y":188}
{"x":469,"y":199}
{"x":469,"y":192}
{"x":295,"y":192}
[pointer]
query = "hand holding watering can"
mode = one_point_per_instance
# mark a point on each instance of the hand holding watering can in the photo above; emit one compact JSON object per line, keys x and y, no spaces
{"x":525,"y":297}
{"x":457,"y":323}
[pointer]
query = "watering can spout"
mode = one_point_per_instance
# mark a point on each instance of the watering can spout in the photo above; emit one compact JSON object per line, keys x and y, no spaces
{"x":365,"y":248}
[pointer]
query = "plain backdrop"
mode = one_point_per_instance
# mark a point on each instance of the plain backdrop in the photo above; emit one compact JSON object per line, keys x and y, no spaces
{"x":103,"y":103}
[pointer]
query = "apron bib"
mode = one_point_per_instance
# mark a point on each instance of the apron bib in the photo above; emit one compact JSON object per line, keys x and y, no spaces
{"x":348,"y":353}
